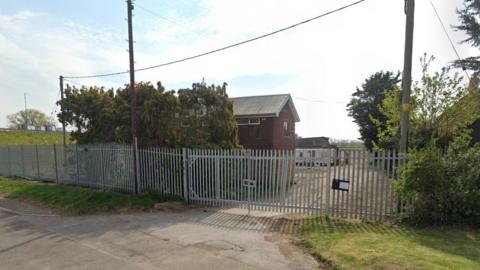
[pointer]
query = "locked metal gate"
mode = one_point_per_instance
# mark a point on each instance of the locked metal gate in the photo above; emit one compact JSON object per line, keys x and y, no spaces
{"x":346,"y":183}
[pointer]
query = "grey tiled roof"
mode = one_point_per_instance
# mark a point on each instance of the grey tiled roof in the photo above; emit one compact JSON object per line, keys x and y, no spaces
{"x":270,"y":105}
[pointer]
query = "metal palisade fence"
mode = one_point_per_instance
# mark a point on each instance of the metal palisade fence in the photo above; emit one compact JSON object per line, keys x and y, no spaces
{"x":344,"y":183}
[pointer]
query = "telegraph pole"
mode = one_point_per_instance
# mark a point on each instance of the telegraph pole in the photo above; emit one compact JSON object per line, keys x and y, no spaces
{"x":61,"y":108}
{"x":407,"y":75}
{"x":133,"y":96}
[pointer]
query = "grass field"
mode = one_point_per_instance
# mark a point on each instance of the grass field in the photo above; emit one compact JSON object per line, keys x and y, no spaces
{"x":340,"y":244}
{"x":30,"y":137}
{"x":77,"y":200}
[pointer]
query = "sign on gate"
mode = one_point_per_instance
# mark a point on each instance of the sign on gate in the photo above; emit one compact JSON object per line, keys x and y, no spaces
{"x":249,"y":183}
{"x":339,"y":184}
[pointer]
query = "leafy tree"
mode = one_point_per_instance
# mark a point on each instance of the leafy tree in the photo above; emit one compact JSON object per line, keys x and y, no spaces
{"x":197,"y":117}
{"x":389,"y":130}
{"x":158,"y":122}
{"x":432,"y":99}
{"x":470,"y":24}
{"x":365,"y":103}
{"x":92,"y":112}
{"x":23,"y":118}
{"x":207,"y":117}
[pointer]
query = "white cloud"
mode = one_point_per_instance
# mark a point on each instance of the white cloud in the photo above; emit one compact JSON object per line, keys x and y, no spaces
{"x":323,"y":60}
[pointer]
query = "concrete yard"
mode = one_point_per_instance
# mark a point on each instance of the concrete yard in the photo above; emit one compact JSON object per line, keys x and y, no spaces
{"x":33,"y":238}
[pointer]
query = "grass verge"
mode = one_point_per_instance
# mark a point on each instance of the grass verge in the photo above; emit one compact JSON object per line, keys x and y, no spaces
{"x":77,"y":200}
{"x":23,"y":137}
{"x":340,"y":244}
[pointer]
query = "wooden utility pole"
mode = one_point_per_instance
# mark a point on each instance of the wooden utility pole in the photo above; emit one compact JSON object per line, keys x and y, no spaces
{"x":407,"y":75}
{"x":133,"y":96}
{"x":61,"y":108}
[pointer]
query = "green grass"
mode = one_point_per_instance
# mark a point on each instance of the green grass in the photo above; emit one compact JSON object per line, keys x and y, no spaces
{"x":31,"y":137}
{"x":77,"y":200}
{"x":340,"y":244}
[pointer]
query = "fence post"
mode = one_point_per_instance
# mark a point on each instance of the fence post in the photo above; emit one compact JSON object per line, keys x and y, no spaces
{"x":9,"y":161}
{"x":77,"y":176}
{"x":23,"y":161}
{"x":327,"y":183}
{"x":185,"y":176}
{"x":217,"y":175}
{"x":102,"y":168}
{"x":136,"y":168}
{"x":38,"y":161}
{"x":56,"y":162}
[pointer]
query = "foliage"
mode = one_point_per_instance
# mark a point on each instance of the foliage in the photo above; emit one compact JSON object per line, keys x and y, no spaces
{"x":469,"y":23}
{"x":364,"y":105}
{"x":23,"y":118}
{"x":207,"y":117}
{"x":24,"y":137}
{"x":77,"y":200}
{"x":443,"y":188}
{"x":158,"y":119}
{"x":346,"y":244}
{"x":92,"y":112}
{"x":389,"y":130}
{"x":197,"y":117}
{"x":464,"y":112}
{"x":432,"y":99}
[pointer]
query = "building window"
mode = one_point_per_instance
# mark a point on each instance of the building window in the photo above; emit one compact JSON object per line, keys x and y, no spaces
{"x":286,"y":131}
{"x":248,"y":121}
{"x":254,"y":131}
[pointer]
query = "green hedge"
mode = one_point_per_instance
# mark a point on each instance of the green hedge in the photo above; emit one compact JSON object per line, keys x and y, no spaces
{"x":442,"y":187}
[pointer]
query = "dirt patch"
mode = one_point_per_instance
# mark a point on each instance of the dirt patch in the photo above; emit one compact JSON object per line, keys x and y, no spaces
{"x":291,"y":248}
{"x":285,"y":224}
{"x":218,"y":245}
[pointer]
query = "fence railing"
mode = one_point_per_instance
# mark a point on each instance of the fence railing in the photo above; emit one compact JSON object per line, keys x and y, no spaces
{"x":107,"y":167}
{"x":272,"y":180}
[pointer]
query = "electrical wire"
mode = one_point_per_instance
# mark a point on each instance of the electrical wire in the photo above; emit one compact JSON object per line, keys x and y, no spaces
{"x":446,"y":33}
{"x":73,"y":82}
{"x":54,"y":109}
{"x":222,"y":48}
{"x":169,"y":20}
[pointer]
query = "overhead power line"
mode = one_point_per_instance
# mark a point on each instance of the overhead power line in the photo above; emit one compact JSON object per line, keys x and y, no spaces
{"x":169,"y":20}
{"x":446,"y":34}
{"x":222,"y":48}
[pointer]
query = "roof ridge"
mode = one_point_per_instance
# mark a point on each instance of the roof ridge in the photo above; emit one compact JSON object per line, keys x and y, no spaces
{"x":263,"y":96}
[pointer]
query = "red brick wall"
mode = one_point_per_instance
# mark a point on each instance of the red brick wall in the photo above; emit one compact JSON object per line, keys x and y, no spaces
{"x":263,"y":141}
{"x":271,"y":133}
{"x":280,"y":141}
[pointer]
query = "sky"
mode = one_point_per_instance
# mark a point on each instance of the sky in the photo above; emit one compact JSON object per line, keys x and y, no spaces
{"x":320,"y":63}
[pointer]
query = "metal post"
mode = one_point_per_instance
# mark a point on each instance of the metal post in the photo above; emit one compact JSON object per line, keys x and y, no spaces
{"x":185,"y":179}
{"x":38,"y":161}
{"x":136,"y":166}
{"x":407,"y":75}
{"x":61,"y":108}
{"x":9,"y":161}
{"x":56,"y":162}
{"x":77,"y":176}
{"x":23,"y":160}
{"x":102,"y":168}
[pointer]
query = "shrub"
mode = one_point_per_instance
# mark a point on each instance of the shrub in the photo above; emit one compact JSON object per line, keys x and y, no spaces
{"x":442,"y":188}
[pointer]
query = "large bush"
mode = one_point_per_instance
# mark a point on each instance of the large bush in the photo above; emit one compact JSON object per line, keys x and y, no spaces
{"x":442,"y":188}
{"x":201,"y":116}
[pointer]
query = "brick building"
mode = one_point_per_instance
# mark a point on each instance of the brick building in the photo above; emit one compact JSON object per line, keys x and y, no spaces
{"x":266,"y":122}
